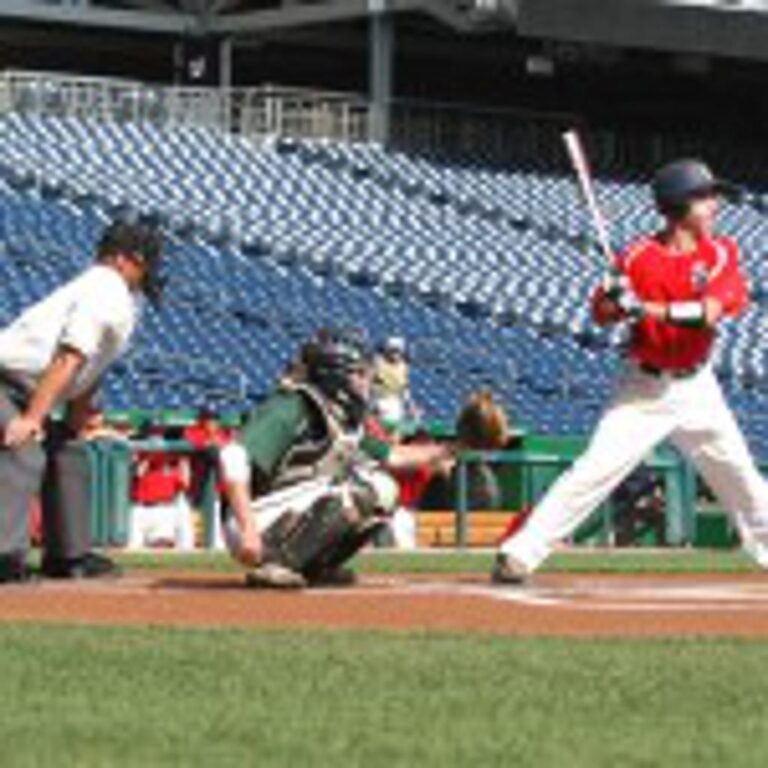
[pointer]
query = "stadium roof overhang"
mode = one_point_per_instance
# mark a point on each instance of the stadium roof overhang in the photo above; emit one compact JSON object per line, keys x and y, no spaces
{"x":242,"y":18}
{"x":129,"y":17}
{"x":735,"y":28}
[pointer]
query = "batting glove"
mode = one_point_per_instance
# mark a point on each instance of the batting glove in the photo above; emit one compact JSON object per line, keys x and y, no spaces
{"x":614,"y":284}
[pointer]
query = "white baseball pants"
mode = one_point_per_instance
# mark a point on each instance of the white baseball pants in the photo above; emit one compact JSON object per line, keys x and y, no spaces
{"x":646,"y":409}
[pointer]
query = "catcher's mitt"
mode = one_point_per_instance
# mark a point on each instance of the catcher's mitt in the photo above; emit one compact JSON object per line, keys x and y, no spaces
{"x":482,"y":423}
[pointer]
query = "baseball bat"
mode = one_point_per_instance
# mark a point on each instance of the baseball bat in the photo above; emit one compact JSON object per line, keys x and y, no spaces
{"x":580,"y":163}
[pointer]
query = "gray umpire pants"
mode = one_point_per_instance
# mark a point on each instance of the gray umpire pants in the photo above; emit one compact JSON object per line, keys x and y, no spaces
{"x":58,"y":469}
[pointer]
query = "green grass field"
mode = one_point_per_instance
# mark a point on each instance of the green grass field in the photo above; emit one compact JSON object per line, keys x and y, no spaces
{"x":450,"y":561}
{"x":75,"y":696}
{"x":128,"y":697}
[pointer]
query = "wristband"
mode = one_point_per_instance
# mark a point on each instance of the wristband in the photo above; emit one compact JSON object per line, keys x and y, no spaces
{"x":686,"y":313}
{"x":614,"y":283}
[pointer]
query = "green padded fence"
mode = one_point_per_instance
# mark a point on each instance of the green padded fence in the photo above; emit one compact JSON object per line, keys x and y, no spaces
{"x":526,"y":473}
{"x":110,"y":463}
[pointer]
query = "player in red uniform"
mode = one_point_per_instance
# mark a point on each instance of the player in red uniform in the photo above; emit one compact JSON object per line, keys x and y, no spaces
{"x":674,"y":288}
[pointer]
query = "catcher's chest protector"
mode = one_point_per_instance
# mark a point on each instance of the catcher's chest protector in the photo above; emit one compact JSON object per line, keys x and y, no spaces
{"x":331,"y":454}
{"x":323,"y":536}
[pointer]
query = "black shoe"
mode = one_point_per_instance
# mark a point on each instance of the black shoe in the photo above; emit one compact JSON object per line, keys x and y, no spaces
{"x":333,"y":577}
{"x":87,"y":566}
{"x":14,"y":570}
{"x":508,"y":571}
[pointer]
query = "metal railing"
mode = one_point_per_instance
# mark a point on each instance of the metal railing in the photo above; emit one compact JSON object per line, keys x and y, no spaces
{"x":261,"y":111}
{"x":271,"y":111}
{"x":52,"y":94}
{"x":523,"y":136}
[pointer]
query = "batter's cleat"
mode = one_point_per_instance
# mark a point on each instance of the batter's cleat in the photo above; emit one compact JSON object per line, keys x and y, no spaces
{"x":508,"y":571}
{"x":88,"y":566}
{"x":333,"y":577}
{"x":274,"y":576}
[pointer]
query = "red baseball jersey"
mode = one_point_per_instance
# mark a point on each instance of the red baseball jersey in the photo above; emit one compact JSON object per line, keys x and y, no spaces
{"x":657,"y":274}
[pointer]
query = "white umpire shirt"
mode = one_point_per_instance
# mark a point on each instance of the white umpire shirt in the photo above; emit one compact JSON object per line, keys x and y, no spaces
{"x":95,"y":313}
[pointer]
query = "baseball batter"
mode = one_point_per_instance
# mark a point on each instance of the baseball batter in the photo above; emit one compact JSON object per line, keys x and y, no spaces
{"x":673,"y":288}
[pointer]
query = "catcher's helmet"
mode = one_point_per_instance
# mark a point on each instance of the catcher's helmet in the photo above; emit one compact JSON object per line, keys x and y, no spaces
{"x":679,"y":182}
{"x":330,"y":359}
{"x":141,"y":241}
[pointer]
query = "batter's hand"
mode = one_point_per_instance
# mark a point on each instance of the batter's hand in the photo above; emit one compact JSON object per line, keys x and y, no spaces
{"x":20,"y":430}
{"x":614,"y":283}
{"x":630,"y":305}
{"x":607,"y":311}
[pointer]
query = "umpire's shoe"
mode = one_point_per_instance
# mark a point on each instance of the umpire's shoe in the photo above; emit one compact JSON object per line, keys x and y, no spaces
{"x":87,"y":566}
{"x":508,"y":571}
{"x":14,"y":570}
{"x":274,"y":576}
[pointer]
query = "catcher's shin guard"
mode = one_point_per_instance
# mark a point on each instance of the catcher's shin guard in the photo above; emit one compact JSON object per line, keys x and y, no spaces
{"x":345,"y":548}
{"x":317,"y":541}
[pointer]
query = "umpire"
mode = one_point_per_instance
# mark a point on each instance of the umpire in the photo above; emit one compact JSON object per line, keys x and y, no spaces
{"x":53,"y":357}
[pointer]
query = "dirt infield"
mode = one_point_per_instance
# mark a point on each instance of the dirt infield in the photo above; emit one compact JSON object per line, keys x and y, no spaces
{"x":573,"y":605}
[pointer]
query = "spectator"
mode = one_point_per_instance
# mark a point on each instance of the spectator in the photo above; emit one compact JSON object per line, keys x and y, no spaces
{"x":480,"y":424}
{"x":207,"y":432}
{"x":96,"y":427}
{"x":442,"y":490}
{"x":208,"y":437}
{"x":161,"y":515}
{"x":391,"y":384}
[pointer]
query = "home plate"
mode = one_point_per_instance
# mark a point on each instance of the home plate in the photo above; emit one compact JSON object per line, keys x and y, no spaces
{"x":594,"y":593}
{"x":640,"y":595}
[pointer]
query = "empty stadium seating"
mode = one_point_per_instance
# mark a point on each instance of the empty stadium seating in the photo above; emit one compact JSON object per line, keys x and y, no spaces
{"x":485,"y":271}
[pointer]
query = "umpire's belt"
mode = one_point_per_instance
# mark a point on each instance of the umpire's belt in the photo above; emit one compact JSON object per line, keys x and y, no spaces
{"x":671,"y":373}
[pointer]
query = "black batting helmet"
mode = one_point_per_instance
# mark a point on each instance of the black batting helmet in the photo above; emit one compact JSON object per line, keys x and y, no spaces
{"x":675,"y":185}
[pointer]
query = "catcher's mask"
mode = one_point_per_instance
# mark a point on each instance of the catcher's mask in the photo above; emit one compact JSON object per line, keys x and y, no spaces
{"x":333,"y":361}
{"x":140,"y":241}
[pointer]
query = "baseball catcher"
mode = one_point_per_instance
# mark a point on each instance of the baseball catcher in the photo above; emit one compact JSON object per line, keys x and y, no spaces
{"x":305,"y":485}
